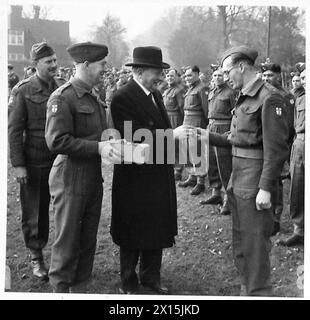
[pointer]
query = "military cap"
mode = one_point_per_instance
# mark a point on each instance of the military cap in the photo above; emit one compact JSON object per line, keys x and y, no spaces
{"x":87,"y":51}
{"x":214,"y":67}
{"x":243,"y":50}
{"x":41,"y":50}
{"x":270,"y":66}
{"x":300,"y":66}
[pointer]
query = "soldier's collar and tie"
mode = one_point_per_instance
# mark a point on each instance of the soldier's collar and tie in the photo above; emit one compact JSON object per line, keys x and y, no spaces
{"x":80,"y":87}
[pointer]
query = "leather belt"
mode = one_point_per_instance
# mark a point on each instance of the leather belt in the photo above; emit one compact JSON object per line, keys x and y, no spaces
{"x":247,"y":153}
{"x":173,"y":112}
{"x":193,"y":113}
{"x":219,"y":121}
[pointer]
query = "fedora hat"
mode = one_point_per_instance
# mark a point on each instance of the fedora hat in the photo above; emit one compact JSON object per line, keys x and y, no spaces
{"x":148,"y":57}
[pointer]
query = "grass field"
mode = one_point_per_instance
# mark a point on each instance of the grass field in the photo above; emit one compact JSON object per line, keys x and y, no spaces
{"x":199,"y":264}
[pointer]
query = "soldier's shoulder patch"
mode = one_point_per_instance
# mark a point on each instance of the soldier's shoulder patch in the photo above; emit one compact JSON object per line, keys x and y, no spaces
{"x":292,"y":101}
{"x":279,"y":111}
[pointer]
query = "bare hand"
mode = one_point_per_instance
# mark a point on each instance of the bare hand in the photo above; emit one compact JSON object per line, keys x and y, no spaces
{"x":263,"y":200}
{"x":109,"y":153}
{"x":21,"y":175}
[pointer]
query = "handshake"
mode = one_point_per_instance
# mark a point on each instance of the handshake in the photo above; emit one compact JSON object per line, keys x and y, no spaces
{"x":121,"y":151}
{"x":186,"y":131}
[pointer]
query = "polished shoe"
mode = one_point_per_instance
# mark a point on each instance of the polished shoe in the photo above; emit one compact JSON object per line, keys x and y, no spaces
{"x":293,"y":240}
{"x":127,"y":291}
{"x":225,"y":211}
{"x":177,"y":176}
{"x":187,"y":183}
{"x":39,"y":269}
{"x":197,"y":189}
{"x":157,"y":287}
{"x":214,"y":199}
{"x":276,"y":228}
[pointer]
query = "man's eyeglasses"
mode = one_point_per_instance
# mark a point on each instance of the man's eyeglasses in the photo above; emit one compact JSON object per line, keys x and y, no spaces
{"x":227,"y":72}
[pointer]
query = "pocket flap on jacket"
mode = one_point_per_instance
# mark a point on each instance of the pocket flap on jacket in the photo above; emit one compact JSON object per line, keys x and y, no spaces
{"x":84,"y":108}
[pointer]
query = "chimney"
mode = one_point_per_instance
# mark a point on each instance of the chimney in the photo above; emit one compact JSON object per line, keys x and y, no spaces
{"x":36,"y":10}
{"x":16,"y":11}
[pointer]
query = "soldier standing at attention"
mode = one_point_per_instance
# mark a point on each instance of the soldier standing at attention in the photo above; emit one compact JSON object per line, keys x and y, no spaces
{"x":195,"y":115}
{"x":297,"y":168}
{"x":74,"y":125}
{"x":221,"y":102}
{"x":271,"y":73}
{"x":258,"y":136}
{"x":12,"y":77}
{"x":30,"y":156}
{"x":174,"y":103}
{"x":297,"y":87}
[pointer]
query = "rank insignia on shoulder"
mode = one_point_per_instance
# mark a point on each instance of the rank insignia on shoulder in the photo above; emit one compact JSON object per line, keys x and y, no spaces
{"x":54,"y":108}
{"x":279,"y":111}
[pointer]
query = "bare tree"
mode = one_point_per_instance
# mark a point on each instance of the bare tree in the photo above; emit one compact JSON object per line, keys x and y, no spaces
{"x":111,"y":33}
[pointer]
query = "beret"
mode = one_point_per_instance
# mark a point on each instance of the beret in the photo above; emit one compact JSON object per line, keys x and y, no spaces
{"x":214,"y":67}
{"x":300,"y":66}
{"x":41,"y":50}
{"x":270,"y":66}
{"x":244,"y":50}
{"x":87,"y":51}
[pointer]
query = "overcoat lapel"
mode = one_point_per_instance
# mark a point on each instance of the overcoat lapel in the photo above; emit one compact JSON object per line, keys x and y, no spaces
{"x":145,"y":105}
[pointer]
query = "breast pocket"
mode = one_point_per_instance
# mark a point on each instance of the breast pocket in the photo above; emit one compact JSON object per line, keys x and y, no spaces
{"x":249,"y":118}
{"x":36,"y":106}
{"x":194,"y":99}
{"x":85,"y":119}
{"x":223,"y":105}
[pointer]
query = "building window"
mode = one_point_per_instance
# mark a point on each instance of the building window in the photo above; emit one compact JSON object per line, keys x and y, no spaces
{"x":16,"y":37}
{"x":16,"y":57}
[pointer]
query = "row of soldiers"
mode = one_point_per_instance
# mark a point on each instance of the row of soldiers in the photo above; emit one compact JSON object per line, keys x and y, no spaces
{"x":200,"y":107}
{"x":194,"y":105}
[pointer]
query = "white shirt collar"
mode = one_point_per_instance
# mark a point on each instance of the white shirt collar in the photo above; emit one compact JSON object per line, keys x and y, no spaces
{"x":147,"y":92}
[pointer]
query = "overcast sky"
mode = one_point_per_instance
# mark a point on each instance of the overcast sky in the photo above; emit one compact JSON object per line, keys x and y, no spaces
{"x":136,"y":16}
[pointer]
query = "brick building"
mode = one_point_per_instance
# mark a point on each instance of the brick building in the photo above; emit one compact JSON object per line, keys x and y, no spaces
{"x":24,"y":32}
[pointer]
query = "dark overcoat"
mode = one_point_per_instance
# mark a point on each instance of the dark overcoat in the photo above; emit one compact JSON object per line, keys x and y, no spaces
{"x":144,"y":210}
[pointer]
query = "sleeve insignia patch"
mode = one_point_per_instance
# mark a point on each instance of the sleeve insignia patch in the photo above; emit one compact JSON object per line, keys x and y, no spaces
{"x":279,"y":111}
{"x":54,"y":108}
{"x":292,"y":101}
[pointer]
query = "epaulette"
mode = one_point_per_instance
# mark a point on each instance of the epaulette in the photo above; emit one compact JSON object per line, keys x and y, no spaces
{"x":20,"y":83}
{"x":271,"y":88}
{"x":62,"y":88}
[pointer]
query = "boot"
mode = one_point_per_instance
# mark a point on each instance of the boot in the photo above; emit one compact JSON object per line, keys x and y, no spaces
{"x":293,"y":240}
{"x":198,"y":189}
{"x":189,"y":182}
{"x":39,"y":269}
{"x":276,"y":228}
{"x":214,"y":199}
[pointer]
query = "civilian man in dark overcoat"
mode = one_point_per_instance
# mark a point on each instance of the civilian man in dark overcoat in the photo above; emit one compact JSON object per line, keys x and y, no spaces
{"x":144,"y":212}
